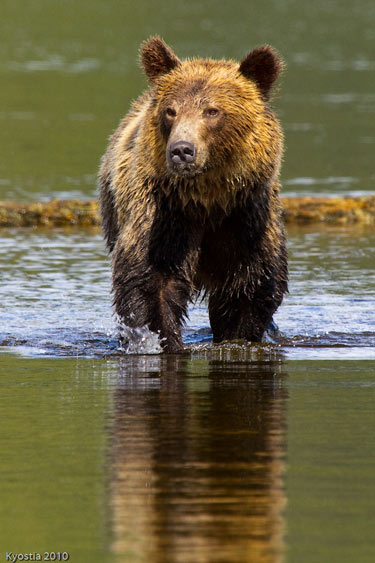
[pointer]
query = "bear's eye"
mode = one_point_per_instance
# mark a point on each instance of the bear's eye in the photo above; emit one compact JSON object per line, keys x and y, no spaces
{"x":212,"y":112}
{"x":170,"y":112}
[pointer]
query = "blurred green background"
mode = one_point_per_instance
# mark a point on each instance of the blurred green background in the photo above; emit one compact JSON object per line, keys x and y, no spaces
{"x":69,"y":69}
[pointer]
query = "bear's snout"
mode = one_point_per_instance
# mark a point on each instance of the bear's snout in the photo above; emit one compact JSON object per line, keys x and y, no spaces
{"x":182,"y":153}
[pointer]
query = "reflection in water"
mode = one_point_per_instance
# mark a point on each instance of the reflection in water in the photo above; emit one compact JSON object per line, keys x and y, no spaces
{"x":198,"y":456}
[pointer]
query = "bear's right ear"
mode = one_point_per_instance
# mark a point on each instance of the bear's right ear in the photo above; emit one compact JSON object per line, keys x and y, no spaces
{"x":157,"y":58}
{"x":263,"y":65}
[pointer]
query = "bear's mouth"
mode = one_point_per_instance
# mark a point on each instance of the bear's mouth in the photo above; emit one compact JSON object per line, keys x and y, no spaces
{"x":184,"y":169}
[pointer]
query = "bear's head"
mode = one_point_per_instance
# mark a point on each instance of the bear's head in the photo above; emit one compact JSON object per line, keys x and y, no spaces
{"x":212,"y":117}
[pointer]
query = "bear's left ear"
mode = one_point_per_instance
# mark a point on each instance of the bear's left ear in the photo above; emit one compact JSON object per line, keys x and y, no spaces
{"x":263,"y":66}
{"x":157,"y":58}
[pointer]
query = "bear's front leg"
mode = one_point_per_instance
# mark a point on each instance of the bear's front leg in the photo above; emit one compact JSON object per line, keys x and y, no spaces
{"x":153,"y":275}
{"x":144,"y":296}
{"x":237,"y":319}
{"x":243,"y":315}
{"x":167,"y":307}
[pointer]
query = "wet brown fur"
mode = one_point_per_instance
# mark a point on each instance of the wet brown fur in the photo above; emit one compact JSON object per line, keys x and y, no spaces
{"x":218,"y":228}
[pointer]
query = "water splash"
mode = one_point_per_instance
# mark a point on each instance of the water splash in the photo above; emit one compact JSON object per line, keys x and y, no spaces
{"x":138,"y":341}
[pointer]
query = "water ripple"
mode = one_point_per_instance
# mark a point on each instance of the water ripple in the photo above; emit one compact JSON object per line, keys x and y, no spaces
{"x":56,"y":300}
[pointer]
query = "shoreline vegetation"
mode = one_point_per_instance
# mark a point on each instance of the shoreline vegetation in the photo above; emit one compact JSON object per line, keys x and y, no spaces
{"x":296,"y":210}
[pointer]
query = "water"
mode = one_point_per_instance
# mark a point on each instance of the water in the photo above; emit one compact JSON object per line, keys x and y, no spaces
{"x":185,"y":459}
{"x":69,"y":70}
{"x":228,"y":453}
{"x":56,"y":286}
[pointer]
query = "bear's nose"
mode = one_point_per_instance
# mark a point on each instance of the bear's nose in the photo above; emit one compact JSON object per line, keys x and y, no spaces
{"x":182,"y":151}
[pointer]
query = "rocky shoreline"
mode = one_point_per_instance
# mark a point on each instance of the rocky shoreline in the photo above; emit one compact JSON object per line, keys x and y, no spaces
{"x":296,"y":210}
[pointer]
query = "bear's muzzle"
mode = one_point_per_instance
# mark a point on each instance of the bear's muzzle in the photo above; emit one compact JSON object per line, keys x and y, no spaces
{"x":181,"y":158}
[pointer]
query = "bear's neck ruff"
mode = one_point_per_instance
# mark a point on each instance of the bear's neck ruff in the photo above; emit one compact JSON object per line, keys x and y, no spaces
{"x":209,"y":193}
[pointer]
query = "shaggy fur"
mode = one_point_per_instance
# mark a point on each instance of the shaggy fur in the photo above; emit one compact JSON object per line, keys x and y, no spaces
{"x":175,"y":228}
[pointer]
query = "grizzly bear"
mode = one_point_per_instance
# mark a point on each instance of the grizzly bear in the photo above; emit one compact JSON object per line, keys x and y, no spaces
{"x":189,"y":196}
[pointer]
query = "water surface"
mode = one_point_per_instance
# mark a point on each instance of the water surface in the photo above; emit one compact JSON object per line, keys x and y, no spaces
{"x":56,"y":297}
{"x":169,"y":459}
{"x":231,"y":452}
{"x":69,"y":71}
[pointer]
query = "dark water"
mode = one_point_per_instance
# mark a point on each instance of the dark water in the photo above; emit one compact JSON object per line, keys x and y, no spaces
{"x":164,"y":459}
{"x":69,"y":70}
{"x":229,"y":453}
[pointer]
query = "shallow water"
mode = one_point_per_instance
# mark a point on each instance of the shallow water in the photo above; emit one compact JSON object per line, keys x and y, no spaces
{"x":56,"y":298}
{"x":230,"y":452}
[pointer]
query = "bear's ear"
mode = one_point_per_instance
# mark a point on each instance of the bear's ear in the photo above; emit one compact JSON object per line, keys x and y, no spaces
{"x":157,"y":58}
{"x":263,"y":66}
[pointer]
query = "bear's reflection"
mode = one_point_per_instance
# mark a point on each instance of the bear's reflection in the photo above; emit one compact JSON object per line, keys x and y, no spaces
{"x":198,"y":450}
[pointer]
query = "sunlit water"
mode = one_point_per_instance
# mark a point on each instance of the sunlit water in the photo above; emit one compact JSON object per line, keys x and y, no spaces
{"x":56,"y":299}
